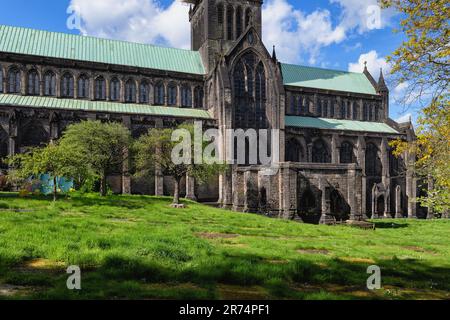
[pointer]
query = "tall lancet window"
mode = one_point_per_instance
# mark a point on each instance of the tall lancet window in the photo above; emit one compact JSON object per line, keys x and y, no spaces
{"x":33,"y":83}
{"x":67,"y":85}
{"x":238,"y":21}
{"x":230,"y":16}
{"x":250,"y":93}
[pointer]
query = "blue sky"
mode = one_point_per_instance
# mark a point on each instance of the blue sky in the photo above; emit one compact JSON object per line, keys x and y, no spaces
{"x":323,"y":33}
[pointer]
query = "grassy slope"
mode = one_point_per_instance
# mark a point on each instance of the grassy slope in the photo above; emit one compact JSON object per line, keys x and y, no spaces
{"x":138,"y":247}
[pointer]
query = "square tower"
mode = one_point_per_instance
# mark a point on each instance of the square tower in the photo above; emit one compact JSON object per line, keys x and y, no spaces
{"x":217,"y":24}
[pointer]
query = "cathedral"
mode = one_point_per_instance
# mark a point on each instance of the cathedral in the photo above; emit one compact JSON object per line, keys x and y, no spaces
{"x":335,"y":161}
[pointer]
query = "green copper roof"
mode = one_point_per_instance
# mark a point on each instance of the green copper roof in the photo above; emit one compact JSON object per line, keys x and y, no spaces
{"x":83,"y":48}
{"x":100,"y":106}
{"x":335,"y":124}
{"x":309,"y":77}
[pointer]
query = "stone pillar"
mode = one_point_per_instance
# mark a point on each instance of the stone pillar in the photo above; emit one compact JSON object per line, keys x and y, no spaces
{"x":126,"y":177}
{"x":398,"y":202}
{"x":190,"y":188}
{"x":227,"y":190}
{"x":75,"y":87}
{"x":335,"y":149}
{"x":362,"y":163}
{"x":375,"y":214}
{"x":287,"y":190}
{"x":326,"y":217}
{"x":159,"y":177}
{"x":310,"y":147}
{"x":352,"y":190}
{"x":430,"y":211}
{"x":411,"y":187}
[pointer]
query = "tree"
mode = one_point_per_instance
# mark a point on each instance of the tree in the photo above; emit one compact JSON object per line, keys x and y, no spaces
{"x":51,"y":159}
{"x":422,"y":60}
{"x":100,"y":148}
{"x":155,"y":151}
{"x":423,"y":63}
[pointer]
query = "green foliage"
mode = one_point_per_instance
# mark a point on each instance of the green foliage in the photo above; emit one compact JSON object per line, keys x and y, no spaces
{"x":423,"y":63}
{"x":155,"y":151}
{"x":137,"y":247}
{"x":99,"y":148}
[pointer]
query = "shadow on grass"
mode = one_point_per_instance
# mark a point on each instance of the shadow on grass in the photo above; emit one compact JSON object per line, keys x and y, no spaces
{"x":389,"y":225}
{"x":123,"y":277}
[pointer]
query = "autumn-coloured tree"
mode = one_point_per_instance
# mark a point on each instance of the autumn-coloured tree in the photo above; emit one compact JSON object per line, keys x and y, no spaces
{"x":423,"y":63}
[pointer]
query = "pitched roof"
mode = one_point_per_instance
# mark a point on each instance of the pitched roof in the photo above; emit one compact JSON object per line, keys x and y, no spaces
{"x":335,"y":124}
{"x":100,"y":106}
{"x":83,"y":48}
{"x":311,"y":77}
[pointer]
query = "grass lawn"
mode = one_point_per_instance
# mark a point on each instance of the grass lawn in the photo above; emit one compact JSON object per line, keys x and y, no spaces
{"x":138,"y":247}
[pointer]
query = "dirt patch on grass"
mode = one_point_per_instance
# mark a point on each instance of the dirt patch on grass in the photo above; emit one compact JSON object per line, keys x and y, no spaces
{"x":211,"y":235}
{"x":232,"y":292}
{"x":277,"y":261}
{"x":314,"y":251}
{"x":419,"y":249}
{"x":41,"y":265}
{"x":8,"y":290}
{"x":357,"y":260}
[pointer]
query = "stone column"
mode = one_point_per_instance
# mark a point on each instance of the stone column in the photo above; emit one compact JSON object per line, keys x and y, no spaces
{"x":398,"y":202}
{"x":362,"y":163}
{"x":190,"y":188}
{"x":287,"y":191}
{"x":430,"y":211}
{"x":326,"y":217}
{"x":159,"y":177}
{"x":227,"y":190}
{"x":75,"y":87}
{"x":411,"y":187}
{"x":310,"y":147}
{"x":126,"y":178}
{"x":335,"y":149}
{"x":352,"y":184}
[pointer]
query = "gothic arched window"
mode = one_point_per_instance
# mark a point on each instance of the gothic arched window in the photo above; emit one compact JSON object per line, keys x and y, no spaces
{"x":159,"y":94}
{"x":144,"y":92}
{"x":343,"y":109}
{"x":250,"y":93}
{"x":186,"y":96}
{"x":67,"y":85}
{"x":239,"y":95}
{"x":198,"y":97}
{"x":319,"y":108}
{"x":230,"y":15}
{"x":50,"y":83}
{"x":260,"y":96}
{"x":172,"y":93}
{"x":130,"y":91}
{"x":366,"y":115}
{"x":373,"y":161}
{"x":331,"y":104}
{"x":14,"y":80}
{"x":294,"y":151}
{"x":100,"y":88}
{"x":238,"y":21}
{"x":355,"y":111}
{"x":33,"y":83}
{"x":346,"y":153}
{"x":114,"y":89}
{"x":83,"y":86}
{"x":320,"y":153}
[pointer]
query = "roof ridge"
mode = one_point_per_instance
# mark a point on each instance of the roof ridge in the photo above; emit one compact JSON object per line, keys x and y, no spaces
{"x":94,"y":37}
{"x":320,"y":68}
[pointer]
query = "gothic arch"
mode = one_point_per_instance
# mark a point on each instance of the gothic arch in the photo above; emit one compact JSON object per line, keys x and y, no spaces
{"x":67,"y":85}
{"x":249,"y":91}
{"x":14,"y":79}
{"x":33,"y":82}
{"x":320,"y":152}
{"x":83,"y":86}
{"x":295,"y":152}
{"x":347,"y":154}
{"x":100,"y":88}
{"x":373,"y":160}
{"x":144,"y":91}
{"x":114,"y":89}
{"x":130,"y":91}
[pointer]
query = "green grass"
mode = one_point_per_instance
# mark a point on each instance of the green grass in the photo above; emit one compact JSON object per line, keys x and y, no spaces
{"x":138,"y":247}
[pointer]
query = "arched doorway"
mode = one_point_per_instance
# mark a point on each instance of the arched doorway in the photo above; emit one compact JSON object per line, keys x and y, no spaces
{"x":307,"y":209}
{"x":339,"y":207}
{"x":380,"y":206}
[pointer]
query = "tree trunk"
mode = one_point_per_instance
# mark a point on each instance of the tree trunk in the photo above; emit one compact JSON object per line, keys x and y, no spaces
{"x":176,"y":194}
{"x":55,"y":189}
{"x":103,"y":186}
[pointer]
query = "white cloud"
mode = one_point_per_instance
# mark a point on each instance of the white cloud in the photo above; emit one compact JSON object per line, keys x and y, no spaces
{"x":295,"y":32}
{"x":144,"y":21}
{"x":374,"y":63}
{"x":363,"y":15}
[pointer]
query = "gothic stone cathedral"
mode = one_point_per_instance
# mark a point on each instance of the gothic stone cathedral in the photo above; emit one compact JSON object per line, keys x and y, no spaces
{"x":335,"y":159}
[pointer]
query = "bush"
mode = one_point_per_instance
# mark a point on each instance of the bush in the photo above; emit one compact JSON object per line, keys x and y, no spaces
{"x":4,"y":183}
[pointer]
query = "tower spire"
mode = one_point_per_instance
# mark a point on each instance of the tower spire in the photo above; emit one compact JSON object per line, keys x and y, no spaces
{"x":274,"y":54}
{"x":381,"y":83}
